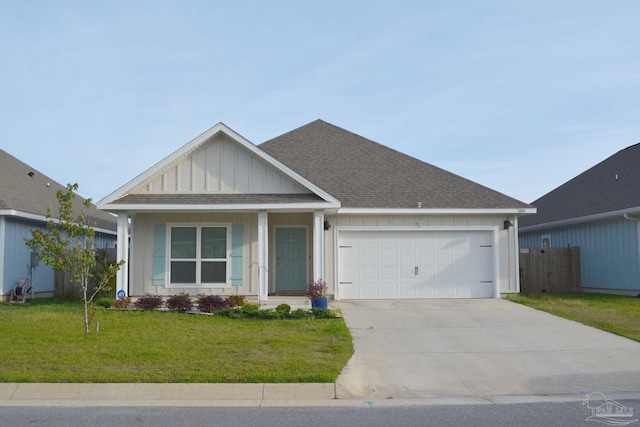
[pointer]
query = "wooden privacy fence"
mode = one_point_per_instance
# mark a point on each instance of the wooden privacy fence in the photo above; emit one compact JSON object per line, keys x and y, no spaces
{"x":549,"y":270}
{"x":62,"y":286}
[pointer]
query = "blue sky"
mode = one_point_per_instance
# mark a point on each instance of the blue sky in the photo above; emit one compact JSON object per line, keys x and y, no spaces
{"x":519,"y":96}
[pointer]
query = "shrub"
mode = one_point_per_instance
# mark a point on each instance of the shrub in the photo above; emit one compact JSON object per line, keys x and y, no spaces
{"x":234,"y":313}
{"x":211,"y":303}
{"x":236,"y":300}
{"x":104,"y":302}
{"x":316,"y":289}
{"x":323,"y":313}
{"x":248,"y":308}
{"x":271,"y":314}
{"x":123,"y":303}
{"x":180,"y":302}
{"x":283,"y":308}
{"x":300,"y":313}
{"x":149,"y":302}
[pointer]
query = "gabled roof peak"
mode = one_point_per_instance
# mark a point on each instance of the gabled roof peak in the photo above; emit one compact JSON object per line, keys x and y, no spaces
{"x":362,"y":173}
{"x":609,"y":186}
{"x":25,"y":190}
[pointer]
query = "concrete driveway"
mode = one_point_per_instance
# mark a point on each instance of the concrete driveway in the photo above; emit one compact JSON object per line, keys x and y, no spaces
{"x":479,"y":348}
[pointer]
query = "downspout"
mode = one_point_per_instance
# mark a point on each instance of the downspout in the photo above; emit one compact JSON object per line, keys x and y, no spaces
{"x":637,"y":220}
{"x":630,"y":218}
{"x":2,"y":250}
{"x":517,"y":254}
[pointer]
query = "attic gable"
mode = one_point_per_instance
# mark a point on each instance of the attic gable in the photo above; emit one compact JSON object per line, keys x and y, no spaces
{"x":220,"y":165}
{"x":219,"y":162}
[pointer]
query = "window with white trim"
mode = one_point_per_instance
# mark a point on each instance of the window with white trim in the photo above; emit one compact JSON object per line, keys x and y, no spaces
{"x":199,"y":254}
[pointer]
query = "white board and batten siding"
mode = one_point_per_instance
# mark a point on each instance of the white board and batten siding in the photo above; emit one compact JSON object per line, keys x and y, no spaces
{"x":221,"y":166}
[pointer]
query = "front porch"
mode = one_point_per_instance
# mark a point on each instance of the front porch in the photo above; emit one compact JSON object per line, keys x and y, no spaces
{"x":275,"y":255}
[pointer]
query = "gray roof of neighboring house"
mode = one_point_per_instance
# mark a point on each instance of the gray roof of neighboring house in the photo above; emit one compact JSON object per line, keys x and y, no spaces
{"x":33,"y":194}
{"x":611,"y":185}
{"x":364,"y":174}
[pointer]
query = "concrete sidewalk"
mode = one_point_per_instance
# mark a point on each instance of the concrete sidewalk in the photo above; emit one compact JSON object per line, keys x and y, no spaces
{"x":48,"y":394}
{"x":234,"y":395}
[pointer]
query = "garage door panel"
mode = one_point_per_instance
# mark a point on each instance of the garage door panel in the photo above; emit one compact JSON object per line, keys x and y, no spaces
{"x":369,"y":254}
{"x":424,"y":290}
{"x":382,"y":264}
{"x":444,"y":290}
{"x":406,"y":290}
{"x":407,"y":255}
{"x":426,"y":256}
{"x":388,"y":255}
{"x":389,"y":273}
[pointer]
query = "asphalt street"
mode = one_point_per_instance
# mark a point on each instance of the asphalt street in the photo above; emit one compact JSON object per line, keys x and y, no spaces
{"x":566,"y":414}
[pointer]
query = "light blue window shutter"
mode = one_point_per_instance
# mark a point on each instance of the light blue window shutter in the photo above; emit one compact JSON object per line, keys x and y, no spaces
{"x":159,"y":249}
{"x":237,"y":246}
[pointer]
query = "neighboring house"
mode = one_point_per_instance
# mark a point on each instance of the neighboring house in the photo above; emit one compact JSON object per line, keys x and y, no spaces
{"x":599,"y":211}
{"x":224,"y":216}
{"x":25,"y":195}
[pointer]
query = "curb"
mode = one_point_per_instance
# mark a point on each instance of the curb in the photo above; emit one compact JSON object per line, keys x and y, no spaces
{"x":134,"y":394}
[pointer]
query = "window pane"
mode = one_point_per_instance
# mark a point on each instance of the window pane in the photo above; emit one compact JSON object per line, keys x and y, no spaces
{"x":214,"y":272}
{"x":183,"y":242}
{"x":214,"y":242}
{"x":183,"y":272}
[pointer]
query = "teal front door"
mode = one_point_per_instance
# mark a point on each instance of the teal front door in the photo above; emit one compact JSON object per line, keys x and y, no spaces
{"x":291,"y":259}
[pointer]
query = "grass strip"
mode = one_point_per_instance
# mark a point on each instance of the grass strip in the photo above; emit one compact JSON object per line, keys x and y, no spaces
{"x":613,"y":313}
{"x":45,"y":342}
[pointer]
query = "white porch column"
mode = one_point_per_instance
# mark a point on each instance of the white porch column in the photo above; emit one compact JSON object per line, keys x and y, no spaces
{"x":318,"y":245}
{"x":122,"y":278}
{"x":263,"y":255}
{"x":517,"y":253}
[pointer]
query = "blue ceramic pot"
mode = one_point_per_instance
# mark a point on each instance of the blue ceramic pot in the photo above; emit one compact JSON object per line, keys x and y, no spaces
{"x":319,"y":303}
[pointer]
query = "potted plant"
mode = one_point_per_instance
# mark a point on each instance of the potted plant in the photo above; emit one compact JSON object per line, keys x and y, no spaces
{"x":316,"y":291}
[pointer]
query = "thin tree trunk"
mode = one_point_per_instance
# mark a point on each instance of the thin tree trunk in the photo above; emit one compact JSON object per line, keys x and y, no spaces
{"x":85,"y":305}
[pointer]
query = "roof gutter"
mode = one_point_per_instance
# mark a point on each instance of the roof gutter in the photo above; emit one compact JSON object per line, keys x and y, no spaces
{"x":630,"y":218}
{"x":41,"y":218}
{"x":437,"y":211}
{"x":588,"y":218}
{"x":133,"y":207}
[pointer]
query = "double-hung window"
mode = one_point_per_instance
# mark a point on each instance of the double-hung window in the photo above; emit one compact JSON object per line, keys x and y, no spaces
{"x":199,"y":254}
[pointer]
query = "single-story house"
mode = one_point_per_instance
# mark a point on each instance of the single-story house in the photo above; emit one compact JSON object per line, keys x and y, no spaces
{"x":25,"y":195}
{"x":599,"y":211}
{"x":224,"y":216}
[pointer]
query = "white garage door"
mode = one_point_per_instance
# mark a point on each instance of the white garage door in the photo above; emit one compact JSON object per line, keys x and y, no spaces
{"x":415,"y":264}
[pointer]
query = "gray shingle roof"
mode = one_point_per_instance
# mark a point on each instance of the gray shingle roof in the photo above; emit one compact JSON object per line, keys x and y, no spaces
{"x":215,"y":199}
{"x":364,"y":174}
{"x":594,"y":191}
{"x":30,"y":194}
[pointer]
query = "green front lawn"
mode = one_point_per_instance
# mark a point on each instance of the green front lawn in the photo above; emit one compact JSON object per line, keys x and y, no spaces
{"x":44,"y":341}
{"x":613,"y":313}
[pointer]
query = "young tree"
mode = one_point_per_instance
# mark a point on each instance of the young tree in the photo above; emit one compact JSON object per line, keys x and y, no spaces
{"x":67,"y":246}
